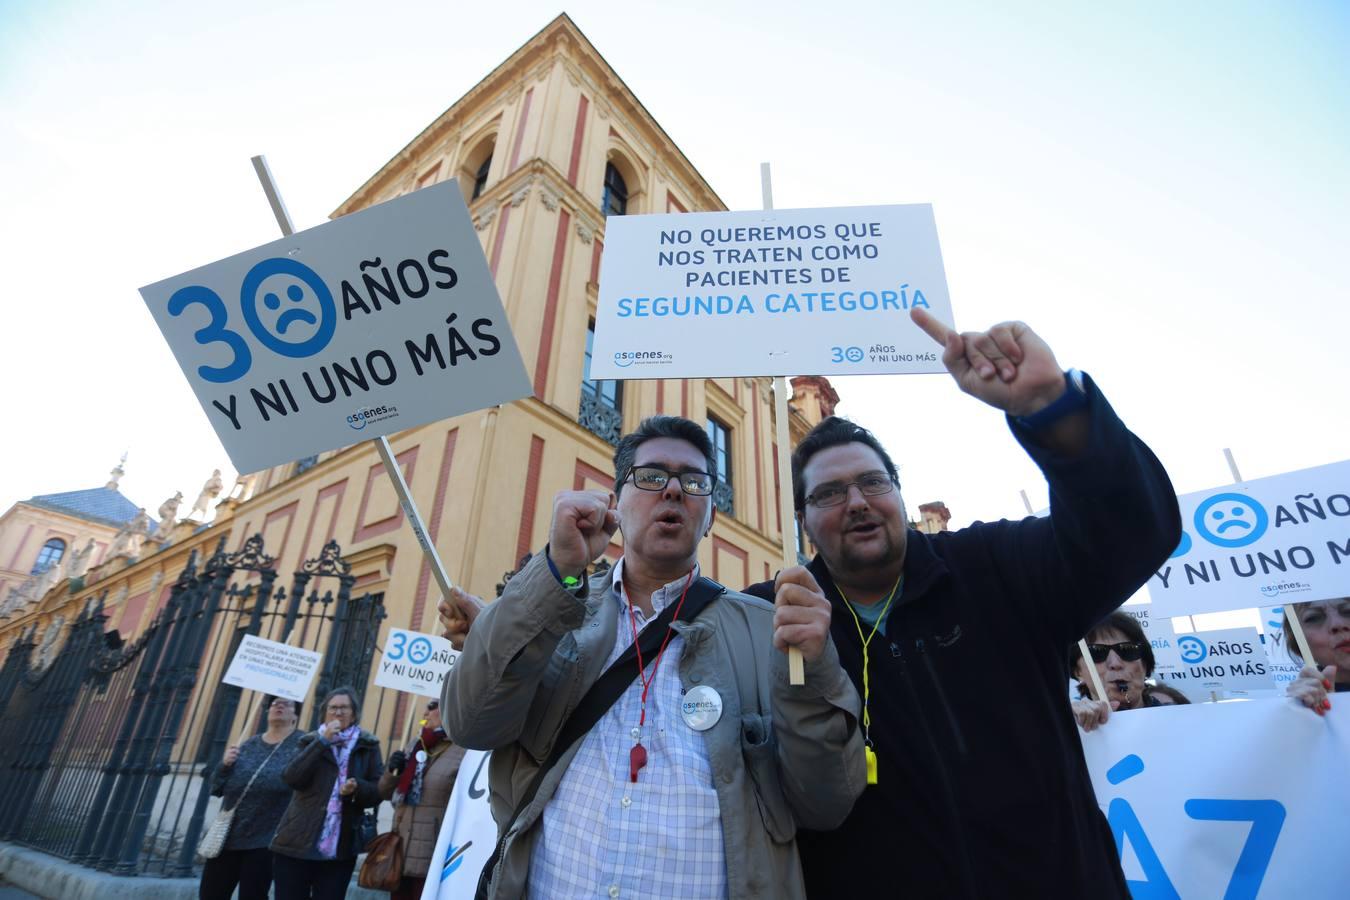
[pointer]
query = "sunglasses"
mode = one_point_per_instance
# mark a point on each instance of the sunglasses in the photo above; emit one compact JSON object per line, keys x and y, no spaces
{"x":1128,"y":651}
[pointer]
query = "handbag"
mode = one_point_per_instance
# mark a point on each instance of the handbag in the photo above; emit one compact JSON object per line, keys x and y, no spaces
{"x":606,"y":691}
{"x":383,"y":868}
{"x":213,"y":841}
{"x":366,"y":830}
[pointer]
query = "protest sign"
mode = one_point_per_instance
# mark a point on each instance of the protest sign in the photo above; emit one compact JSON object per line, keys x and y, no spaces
{"x":415,"y":662}
{"x":821,"y":291}
{"x":1230,"y":659}
{"x":1283,"y":667}
{"x":468,"y":834}
{"x":1284,"y":538}
{"x":373,"y":323}
{"x":272,"y":668}
{"x":1225,"y":799}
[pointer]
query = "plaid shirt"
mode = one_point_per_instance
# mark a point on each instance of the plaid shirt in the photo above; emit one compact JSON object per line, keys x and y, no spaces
{"x":604,"y":836}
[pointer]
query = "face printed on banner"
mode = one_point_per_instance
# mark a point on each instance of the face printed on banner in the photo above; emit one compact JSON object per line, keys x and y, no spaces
{"x":1123,"y":679}
{"x":865,"y":530}
{"x":288,"y":307}
{"x":1231,"y":520}
{"x":665,"y":526}
{"x":1326,"y":624}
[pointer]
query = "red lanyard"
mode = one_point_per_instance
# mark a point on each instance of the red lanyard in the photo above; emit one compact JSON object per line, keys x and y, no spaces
{"x":637,"y":757}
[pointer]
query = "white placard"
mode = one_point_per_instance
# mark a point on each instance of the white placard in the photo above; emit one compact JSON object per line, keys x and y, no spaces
{"x":468,"y":833}
{"x":1230,"y":659}
{"x":373,"y":323}
{"x":273,"y":668}
{"x":415,"y":662}
{"x":1283,"y":667}
{"x":1284,"y":539}
{"x":773,"y":292}
{"x":1189,"y":790}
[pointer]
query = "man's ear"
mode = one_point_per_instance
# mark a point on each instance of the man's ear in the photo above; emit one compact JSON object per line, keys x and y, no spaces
{"x":712,"y":517}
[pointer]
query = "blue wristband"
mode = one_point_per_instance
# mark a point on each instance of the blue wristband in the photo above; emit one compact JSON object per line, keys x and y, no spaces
{"x":570,"y":582}
{"x":1073,"y":399}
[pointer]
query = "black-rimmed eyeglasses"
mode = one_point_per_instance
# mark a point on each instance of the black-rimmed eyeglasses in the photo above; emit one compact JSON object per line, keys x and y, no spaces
{"x":870,"y":485}
{"x":655,"y":478}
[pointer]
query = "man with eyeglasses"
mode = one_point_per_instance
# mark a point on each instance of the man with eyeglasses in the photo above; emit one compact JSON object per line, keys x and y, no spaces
{"x":977,"y":785}
{"x":693,"y":782}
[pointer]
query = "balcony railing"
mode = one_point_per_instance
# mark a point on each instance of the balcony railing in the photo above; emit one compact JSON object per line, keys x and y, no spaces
{"x":601,"y":419}
{"x":724,"y":498}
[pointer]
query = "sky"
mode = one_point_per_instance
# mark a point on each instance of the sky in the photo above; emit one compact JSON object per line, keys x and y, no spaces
{"x":1159,"y":190}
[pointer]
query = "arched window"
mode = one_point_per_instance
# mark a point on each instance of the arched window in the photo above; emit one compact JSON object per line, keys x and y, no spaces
{"x":615,"y":200}
{"x":49,"y":555}
{"x":480,"y":178}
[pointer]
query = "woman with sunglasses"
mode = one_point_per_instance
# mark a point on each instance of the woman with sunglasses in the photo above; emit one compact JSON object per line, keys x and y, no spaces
{"x":419,"y":781}
{"x":1123,"y":657}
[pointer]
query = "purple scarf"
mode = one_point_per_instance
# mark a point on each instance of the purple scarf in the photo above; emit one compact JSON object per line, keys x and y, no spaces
{"x":342,"y":744}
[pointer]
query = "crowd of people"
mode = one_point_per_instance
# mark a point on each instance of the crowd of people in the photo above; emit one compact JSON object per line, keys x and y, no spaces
{"x":646,"y":738}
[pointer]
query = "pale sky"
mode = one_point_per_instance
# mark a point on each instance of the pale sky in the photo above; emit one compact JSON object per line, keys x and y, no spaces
{"x":1160,"y":190}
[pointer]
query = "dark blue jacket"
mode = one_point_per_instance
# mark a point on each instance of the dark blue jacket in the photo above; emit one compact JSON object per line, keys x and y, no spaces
{"x":982,"y":789}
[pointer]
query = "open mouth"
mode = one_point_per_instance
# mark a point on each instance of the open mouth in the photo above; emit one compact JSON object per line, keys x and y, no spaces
{"x":863,"y":528}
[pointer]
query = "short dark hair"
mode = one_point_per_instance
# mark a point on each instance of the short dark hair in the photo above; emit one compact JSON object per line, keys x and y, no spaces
{"x":676,"y":427}
{"x":1127,"y":625}
{"x":268,"y":699}
{"x":833,"y":432}
{"x":351,"y":695}
{"x":1176,"y":695}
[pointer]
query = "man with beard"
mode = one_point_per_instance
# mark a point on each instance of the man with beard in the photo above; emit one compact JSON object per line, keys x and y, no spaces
{"x":693,"y":782}
{"x":977,"y":782}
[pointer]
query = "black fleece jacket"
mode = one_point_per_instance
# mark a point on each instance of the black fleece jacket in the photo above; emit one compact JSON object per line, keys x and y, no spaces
{"x":982,"y":788}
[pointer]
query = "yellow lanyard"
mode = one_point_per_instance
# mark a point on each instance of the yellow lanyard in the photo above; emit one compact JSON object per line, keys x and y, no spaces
{"x":867,"y":686}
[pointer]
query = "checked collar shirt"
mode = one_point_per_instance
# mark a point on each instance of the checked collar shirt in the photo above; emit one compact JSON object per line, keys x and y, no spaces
{"x":604,"y":836}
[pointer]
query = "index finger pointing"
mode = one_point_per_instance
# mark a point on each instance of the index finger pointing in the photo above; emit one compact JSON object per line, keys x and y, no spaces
{"x":931,"y":326}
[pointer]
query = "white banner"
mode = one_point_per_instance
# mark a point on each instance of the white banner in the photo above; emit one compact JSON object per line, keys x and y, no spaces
{"x":824,"y":291}
{"x":272,"y":668}
{"x":1161,"y":636}
{"x":1226,"y":660}
{"x":468,"y":834}
{"x":1283,"y":666}
{"x":1285,"y":539}
{"x":373,"y":323}
{"x":415,"y":662}
{"x":1233,"y":800}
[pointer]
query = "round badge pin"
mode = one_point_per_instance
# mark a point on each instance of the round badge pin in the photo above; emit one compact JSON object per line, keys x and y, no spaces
{"x":701,"y":708}
{"x":421,"y":756}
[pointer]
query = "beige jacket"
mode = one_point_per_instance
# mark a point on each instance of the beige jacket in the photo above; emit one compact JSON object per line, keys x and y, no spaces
{"x":782,"y":757}
{"x":420,"y":825}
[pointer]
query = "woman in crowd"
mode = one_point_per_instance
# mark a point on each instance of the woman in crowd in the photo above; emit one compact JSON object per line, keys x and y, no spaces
{"x":249,"y":781}
{"x":1164,"y":695}
{"x":1326,"y":625}
{"x":1123,"y":657}
{"x":335,"y":778}
{"x":419,"y":782}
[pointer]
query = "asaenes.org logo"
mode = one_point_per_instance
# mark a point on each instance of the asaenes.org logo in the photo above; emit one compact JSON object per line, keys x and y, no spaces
{"x":625,"y":358}
{"x":364,"y":416}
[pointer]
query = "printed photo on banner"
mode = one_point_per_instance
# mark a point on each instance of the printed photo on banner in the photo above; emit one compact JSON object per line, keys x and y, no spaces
{"x":415,"y":662}
{"x":272,"y":668}
{"x":1225,"y":799}
{"x":370,"y":324}
{"x":1280,"y":539}
{"x":826,"y":291}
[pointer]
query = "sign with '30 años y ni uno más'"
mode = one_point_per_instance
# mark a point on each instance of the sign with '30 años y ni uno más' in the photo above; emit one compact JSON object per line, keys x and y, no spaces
{"x":373,"y":323}
{"x":1277,"y":540}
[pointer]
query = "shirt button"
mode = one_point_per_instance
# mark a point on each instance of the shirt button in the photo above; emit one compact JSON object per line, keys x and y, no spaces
{"x":614,"y":890}
{"x":627,"y":802}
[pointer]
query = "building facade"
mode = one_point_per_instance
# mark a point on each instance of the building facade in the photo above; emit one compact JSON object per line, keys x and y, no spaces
{"x":545,"y":148}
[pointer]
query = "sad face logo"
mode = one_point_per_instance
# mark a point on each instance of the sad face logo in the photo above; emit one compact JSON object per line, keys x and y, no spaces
{"x":1231,"y":520}
{"x":288,"y":307}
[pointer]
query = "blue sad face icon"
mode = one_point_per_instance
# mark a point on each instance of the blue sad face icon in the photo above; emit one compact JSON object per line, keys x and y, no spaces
{"x":1231,"y":520}
{"x":288,"y":307}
